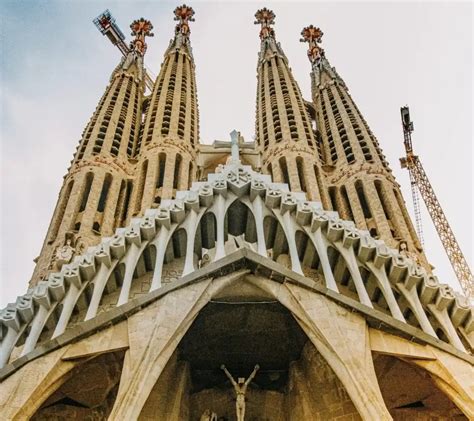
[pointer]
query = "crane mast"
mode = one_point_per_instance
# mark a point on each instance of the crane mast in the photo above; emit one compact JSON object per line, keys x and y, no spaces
{"x":420,"y":183}
{"x":107,"y":26}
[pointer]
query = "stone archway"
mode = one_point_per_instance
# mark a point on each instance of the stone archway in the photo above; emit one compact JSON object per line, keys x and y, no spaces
{"x":339,"y":336}
{"x":88,"y":392}
{"x":294,"y":381}
{"x":410,"y":393}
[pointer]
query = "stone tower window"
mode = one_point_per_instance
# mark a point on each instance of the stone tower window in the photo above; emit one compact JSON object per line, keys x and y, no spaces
{"x":61,"y":209}
{"x":347,"y":204}
{"x":141,"y":187}
{"x":269,"y":170}
{"x":363,"y":200}
{"x":86,"y":191}
{"x":190,"y":175}
{"x":177,"y":169}
{"x":386,"y":209}
{"x":104,"y":193}
{"x":332,"y":196}
{"x":284,"y":170}
{"x":169,"y":97}
{"x":301,"y":175}
{"x":182,"y":103}
{"x":119,"y":204}
{"x":161,"y":170}
{"x":128,"y":194}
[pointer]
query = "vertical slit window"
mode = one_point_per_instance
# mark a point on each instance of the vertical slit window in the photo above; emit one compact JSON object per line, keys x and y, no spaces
{"x":381,"y":195}
{"x":177,"y":169}
{"x":284,"y":170}
{"x":120,"y":203}
{"x":332,"y":196}
{"x":104,"y":193}
{"x":61,"y":210}
{"x":347,"y":204}
{"x":141,"y":186}
{"x":128,"y":194}
{"x":86,"y":191}
{"x":161,"y":170}
{"x":190,"y":175}
{"x":362,"y":199}
{"x":301,"y":176}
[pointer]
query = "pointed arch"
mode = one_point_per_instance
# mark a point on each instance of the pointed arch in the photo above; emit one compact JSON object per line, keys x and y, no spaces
{"x":341,"y":273}
{"x":206,"y":234}
{"x":275,"y":237}
{"x":239,"y":220}
{"x":308,"y":256}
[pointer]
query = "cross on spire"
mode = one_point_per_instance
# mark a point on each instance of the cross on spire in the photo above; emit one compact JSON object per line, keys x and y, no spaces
{"x":312,"y":36}
{"x":265,"y":17}
{"x":183,"y":14}
{"x":141,"y":28}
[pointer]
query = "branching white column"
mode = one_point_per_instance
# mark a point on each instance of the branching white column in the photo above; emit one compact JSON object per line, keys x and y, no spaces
{"x":190,"y":226}
{"x":321,"y":248}
{"x":219,"y":209}
{"x":69,"y":302}
{"x":384,"y":285}
{"x":131,"y":258}
{"x":37,"y":326}
{"x":161,"y":243}
{"x":100,"y":282}
{"x":410,"y":294}
{"x":351,"y":262}
{"x":258,"y":208}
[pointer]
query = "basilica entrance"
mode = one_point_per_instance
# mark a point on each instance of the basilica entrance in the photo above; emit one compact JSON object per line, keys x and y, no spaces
{"x":293,"y":380}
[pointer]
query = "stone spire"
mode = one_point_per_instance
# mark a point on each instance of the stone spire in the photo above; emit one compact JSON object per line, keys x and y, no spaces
{"x":94,"y":196}
{"x":283,"y":129}
{"x":170,"y":132}
{"x":360,"y":183}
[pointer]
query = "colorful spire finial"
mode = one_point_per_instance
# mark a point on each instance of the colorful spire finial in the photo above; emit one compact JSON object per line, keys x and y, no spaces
{"x":312,"y":36}
{"x":183,"y":14}
{"x":141,"y":28}
{"x":265,"y":17}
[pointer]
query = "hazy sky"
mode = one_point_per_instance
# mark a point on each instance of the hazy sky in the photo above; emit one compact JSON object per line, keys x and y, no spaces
{"x":55,"y":66}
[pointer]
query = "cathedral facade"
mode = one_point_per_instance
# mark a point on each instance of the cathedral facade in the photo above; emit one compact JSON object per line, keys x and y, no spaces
{"x":279,"y":279}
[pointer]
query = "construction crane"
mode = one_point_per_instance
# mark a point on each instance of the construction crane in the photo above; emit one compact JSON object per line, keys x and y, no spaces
{"x":420,"y":183}
{"x":107,"y":26}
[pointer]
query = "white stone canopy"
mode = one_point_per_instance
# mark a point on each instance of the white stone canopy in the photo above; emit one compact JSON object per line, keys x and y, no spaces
{"x":236,"y":208}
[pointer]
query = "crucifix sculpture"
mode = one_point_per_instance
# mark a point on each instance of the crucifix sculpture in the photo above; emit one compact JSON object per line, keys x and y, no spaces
{"x":240,"y":388}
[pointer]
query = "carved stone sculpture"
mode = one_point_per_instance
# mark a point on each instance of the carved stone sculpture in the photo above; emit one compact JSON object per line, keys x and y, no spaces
{"x":240,"y":388}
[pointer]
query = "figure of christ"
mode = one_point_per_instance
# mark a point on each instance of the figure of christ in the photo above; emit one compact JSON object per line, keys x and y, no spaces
{"x":240,"y":388}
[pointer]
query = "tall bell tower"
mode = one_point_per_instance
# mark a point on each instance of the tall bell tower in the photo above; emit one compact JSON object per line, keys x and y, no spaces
{"x":95,"y":195}
{"x":361,"y":186}
{"x":283,"y":126}
{"x":170,"y":132}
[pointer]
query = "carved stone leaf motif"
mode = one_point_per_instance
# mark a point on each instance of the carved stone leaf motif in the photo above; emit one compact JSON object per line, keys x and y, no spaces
{"x":133,"y":235}
{"x":258,"y":184}
{"x":177,"y":211}
{"x":8,"y":316}
{"x":219,"y":184}
{"x":205,"y":190}
{"x":41,"y":294}
{"x":56,"y":286}
{"x":147,"y":227}
{"x":71,"y":273}
{"x":239,"y":181}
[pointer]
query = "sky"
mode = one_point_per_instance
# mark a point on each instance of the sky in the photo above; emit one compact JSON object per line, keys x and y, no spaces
{"x":55,"y":66}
